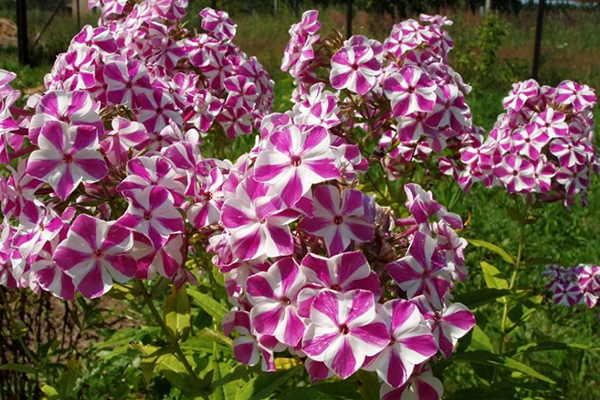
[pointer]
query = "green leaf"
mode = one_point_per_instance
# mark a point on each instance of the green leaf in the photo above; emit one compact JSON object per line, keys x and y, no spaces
{"x":552,"y":346}
{"x":50,"y":392}
{"x":204,"y":339}
{"x":210,"y":305}
{"x":481,"y":341}
{"x":239,"y":372}
{"x":493,"y":277}
{"x":177,"y":313}
{"x":340,"y":390}
{"x":68,"y":378}
{"x":28,"y":369}
{"x":265,"y":384}
{"x":224,"y":390}
{"x":174,"y":370}
{"x":477,"y":298}
{"x":368,"y":385}
{"x":495,"y":360}
{"x":514,"y":214}
{"x":496,"y":249}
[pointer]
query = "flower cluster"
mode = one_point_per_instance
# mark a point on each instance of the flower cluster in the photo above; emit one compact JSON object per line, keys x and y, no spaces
{"x":541,"y":145}
{"x":316,"y":267}
{"x":401,"y":92}
{"x":104,"y":159}
{"x":111,"y":185}
{"x":572,"y":286}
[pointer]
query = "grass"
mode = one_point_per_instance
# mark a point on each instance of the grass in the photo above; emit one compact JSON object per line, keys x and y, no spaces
{"x":571,"y":49}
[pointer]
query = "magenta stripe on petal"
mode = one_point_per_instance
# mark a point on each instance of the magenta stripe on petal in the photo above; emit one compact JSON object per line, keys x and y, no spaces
{"x":345,"y":364}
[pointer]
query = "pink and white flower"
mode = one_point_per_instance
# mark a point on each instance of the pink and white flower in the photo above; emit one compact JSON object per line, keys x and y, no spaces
{"x":422,"y":385}
{"x":578,"y":95}
{"x":412,"y":343}
{"x":126,"y":81}
{"x":157,"y":109}
{"x":74,"y":108}
{"x":48,"y":275}
{"x":343,"y":272}
{"x":218,"y":23}
{"x":96,"y":253}
{"x":166,"y":260}
{"x":516,"y":173}
{"x":152,"y":213}
{"x":67,"y":157}
{"x":344,"y":330}
{"x":520,"y":94}
{"x":256,"y":223}
{"x":422,"y":271}
{"x":146,"y":171}
{"x":354,"y":68}
{"x":340,"y":218}
{"x":293,"y":159}
{"x":410,"y":91}
{"x":273,"y":295}
{"x":448,"y":325}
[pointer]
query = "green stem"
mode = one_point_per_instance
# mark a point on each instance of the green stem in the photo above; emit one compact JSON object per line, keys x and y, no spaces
{"x":513,"y":281}
{"x":170,"y":338}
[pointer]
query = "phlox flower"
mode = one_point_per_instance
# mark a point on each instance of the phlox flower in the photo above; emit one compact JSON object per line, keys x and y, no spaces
{"x":273,"y":295}
{"x":247,"y":348}
{"x":340,"y":218}
{"x":344,"y":329}
{"x":530,"y":140}
{"x":48,"y":275}
{"x":146,"y":171}
{"x":96,"y":253}
{"x":412,"y":343}
{"x":422,"y":270}
{"x":552,"y":123}
{"x":157,"y":109}
{"x":422,"y":206}
{"x":74,"y":108}
{"x":567,"y":293}
{"x":126,"y":81}
{"x":520,"y":94}
{"x":516,"y":173}
{"x":206,"y":107}
{"x":209,"y":199}
{"x":165,"y":261}
{"x":448,"y":325}
{"x":124,"y":137}
{"x":152,"y":213}
{"x":218,"y":23}
{"x":293,"y":159}
{"x":354,"y":68}
{"x":79,"y":67}
{"x":578,"y":95}
{"x":67,"y":157}
{"x":99,"y":38}
{"x":343,"y":272}
{"x":236,"y":121}
{"x":410,"y":91}
{"x":422,"y":385}
{"x":256,"y":223}
{"x":569,"y":153}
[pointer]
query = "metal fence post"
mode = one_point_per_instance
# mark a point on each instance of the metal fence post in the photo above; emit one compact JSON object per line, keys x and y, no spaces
{"x":349,"y":20}
{"x":22,"y":32}
{"x":538,"y":39}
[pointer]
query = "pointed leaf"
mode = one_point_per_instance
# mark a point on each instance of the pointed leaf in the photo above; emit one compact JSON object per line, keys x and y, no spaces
{"x":177,"y":313}
{"x":488,"y":358}
{"x":496,"y":249}
{"x":210,"y":305}
{"x":480,"y":297}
